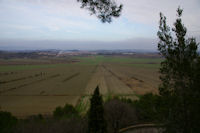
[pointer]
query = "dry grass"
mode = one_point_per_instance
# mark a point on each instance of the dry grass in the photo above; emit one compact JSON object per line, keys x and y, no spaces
{"x":140,"y":80}
{"x":38,"y":89}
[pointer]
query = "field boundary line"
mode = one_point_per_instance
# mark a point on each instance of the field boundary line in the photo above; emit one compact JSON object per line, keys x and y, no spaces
{"x":24,"y":85}
{"x":22,"y":78}
{"x":71,"y":77}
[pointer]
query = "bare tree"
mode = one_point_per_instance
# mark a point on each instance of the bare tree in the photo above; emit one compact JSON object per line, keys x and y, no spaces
{"x":119,"y":115}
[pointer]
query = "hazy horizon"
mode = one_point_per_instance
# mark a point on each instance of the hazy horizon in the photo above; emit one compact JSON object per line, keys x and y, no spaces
{"x":140,"y":43}
{"x":62,"y":24}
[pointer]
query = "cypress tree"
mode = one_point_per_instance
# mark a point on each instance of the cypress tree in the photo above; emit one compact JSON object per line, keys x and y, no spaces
{"x":96,"y":121}
{"x":179,"y":76}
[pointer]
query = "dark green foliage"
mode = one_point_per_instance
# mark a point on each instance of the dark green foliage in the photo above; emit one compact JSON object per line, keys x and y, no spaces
{"x":180,"y":77}
{"x":7,"y":122}
{"x":40,"y":117}
{"x":67,"y":111}
{"x":149,"y":108}
{"x":195,"y":99}
{"x":96,"y":121}
{"x":65,"y":120}
{"x":58,"y":112}
{"x":103,"y":9}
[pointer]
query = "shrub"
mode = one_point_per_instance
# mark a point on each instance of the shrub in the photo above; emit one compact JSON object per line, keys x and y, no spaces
{"x":7,"y":122}
{"x":67,"y":111}
{"x":149,"y":108}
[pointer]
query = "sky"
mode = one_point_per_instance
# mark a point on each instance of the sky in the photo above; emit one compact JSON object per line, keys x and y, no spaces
{"x":62,"y":24}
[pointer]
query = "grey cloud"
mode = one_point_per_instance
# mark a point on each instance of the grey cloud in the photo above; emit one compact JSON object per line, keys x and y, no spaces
{"x":147,"y":11}
{"x":139,"y":11}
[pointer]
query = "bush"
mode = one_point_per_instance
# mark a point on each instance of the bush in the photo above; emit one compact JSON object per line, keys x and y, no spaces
{"x":7,"y":122}
{"x":67,"y":111}
{"x":149,"y":108}
{"x":58,"y":112}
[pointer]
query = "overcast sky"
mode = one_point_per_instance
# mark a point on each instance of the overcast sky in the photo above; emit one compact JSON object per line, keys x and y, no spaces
{"x":61,"y":24}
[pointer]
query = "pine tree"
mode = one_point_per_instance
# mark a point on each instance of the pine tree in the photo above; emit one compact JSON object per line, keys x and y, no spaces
{"x":178,"y":75}
{"x":96,"y":121}
{"x":105,"y":10}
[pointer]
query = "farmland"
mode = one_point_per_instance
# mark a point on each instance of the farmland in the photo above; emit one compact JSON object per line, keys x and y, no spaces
{"x":31,"y":88}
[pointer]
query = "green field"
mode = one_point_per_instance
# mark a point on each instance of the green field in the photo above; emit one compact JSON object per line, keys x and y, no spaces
{"x":40,"y":88}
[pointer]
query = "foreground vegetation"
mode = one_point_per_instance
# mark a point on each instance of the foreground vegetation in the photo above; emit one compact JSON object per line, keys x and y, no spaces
{"x":180,"y":76}
{"x":118,"y":113}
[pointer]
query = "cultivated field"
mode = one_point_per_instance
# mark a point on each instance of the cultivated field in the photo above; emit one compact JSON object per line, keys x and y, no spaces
{"x":39,"y":88}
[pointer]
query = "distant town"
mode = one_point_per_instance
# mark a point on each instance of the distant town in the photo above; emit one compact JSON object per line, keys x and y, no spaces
{"x":65,"y":53}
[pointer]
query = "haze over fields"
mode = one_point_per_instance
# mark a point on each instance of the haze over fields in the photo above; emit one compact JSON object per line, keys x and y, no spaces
{"x":61,"y":24}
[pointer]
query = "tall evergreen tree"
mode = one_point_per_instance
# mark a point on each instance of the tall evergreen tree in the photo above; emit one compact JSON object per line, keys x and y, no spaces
{"x":96,"y":121}
{"x":179,"y":72}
